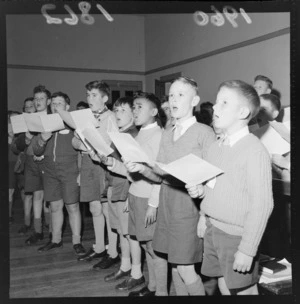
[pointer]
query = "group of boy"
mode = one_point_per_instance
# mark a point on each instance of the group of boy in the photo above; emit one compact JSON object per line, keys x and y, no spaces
{"x":166,"y":222}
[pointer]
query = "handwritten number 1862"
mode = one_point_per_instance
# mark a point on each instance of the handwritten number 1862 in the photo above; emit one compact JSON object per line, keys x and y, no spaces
{"x":85,"y":17}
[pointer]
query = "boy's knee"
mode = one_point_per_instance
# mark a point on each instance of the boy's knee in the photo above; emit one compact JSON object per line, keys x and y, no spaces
{"x":223,"y":287}
{"x":73,"y":208}
{"x":95,"y":208}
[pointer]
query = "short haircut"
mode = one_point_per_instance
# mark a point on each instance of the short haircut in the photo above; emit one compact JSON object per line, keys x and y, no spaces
{"x":42,"y":89}
{"x":189,"y":81}
{"x":63,"y":95}
{"x":274,"y":100}
{"x":82,"y":104}
{"x":124,"y":100}
{"x":102,"y":86}
{"x":28,"y":99}
{"x":205,"y":115}
{"x":267,"y":80}
{"x":154,"y":100}
{"x":247,"y":91}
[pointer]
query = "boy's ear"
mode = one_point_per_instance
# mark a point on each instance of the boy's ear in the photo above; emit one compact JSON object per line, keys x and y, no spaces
{"x":244,"y":113}
{"x":275,"y":114}
{"x":105,"y":98}
{"x":269,"y":91}
{"x":67,"y":107}
{"x":154,"y":112}
{"x":196,"y":100}
{"x":48,"y":101}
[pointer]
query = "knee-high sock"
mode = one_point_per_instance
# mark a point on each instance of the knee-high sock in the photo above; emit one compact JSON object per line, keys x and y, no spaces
{"x":98,"y":222}
{"x":57,"y":223}
{"x":161,"y":276}
{"x":152,"y":281}
{"x":179,"y":285}
{"x":196,"y":288}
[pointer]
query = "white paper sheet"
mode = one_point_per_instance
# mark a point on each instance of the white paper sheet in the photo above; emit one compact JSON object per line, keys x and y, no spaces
{"x":97,"y":142}
{"x":272,"y":140}
{"x":18,"y":124}
{"x":79,"y":119}
{"x":129,"y":148}
{"x":52,"y":122}
{"x":37,"y":122}
{"x":191,"y":169}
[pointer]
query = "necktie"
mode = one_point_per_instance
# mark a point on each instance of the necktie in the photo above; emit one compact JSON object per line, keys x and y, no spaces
{"x":177,"y":131}
{"x":97,"y":114}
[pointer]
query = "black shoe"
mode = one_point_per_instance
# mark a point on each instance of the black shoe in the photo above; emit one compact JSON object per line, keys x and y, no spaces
{"x":24,"y":229}
{"x":115,"y":276}
{"x":131,"y":283}
{"x":91,"y":254}
{"x":79,"y":249}
{"x":50,"y":246}
{"x":34,"y":238}
{"x":144,"y":292}
{"x":107,"y":262}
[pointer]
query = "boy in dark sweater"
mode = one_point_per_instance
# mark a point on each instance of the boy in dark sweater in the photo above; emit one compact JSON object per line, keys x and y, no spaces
{"x":60,"y":178}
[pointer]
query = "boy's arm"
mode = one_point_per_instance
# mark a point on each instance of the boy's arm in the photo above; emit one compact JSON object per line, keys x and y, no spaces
{"x":78,"y":144}
{"x":39,"y":143}
{"x":259,"y":185}
{"x":119,"y":168}
{"x":20,"y":143}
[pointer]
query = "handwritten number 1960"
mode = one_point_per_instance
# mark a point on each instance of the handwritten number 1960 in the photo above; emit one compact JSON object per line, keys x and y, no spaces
{"x":85,"y":17}
{"x":217,"y":19}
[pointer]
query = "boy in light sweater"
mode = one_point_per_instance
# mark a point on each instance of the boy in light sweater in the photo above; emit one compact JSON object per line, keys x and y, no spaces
{"x":238,"y":203}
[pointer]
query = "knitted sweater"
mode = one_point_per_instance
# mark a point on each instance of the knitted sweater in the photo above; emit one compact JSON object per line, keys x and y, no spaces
{"x":241,"y":201}
{"x":197,"y":139}
{"x":149,"y":139}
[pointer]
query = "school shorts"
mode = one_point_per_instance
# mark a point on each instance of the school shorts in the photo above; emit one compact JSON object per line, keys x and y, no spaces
{"x":92,"y":180}
{"x":120,"y":187}
{"x":136,"y":220}
{"x":33,"y":174}
{"x":176,"y":226}
{"x":60,"y":181}
{"x":218,"y":258}
{"x":117,"y":218}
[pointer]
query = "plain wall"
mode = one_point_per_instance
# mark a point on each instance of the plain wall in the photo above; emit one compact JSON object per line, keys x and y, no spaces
{"x":117,"y":45}
{"x":180,"y":38}
{"x":270,"y":58}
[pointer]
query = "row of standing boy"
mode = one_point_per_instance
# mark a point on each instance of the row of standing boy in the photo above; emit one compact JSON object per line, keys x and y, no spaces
{"x":163,"y":216}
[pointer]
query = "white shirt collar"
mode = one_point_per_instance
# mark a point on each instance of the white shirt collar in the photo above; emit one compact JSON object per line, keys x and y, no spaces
{"x":150,"y":126}
{"x":234,"y":138}
{"x":185,"y":124}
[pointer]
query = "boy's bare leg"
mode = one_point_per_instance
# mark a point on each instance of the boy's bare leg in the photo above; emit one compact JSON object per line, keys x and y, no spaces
{"x":99,"y":222}
{"x":75,"y":222}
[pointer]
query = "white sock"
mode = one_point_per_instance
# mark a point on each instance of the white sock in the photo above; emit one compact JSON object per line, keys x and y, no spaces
{"x":136,"y":271}
{"x":125,"y":264}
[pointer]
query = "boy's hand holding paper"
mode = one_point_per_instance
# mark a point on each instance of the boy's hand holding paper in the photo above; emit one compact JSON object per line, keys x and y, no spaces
{"x":191,"y":169}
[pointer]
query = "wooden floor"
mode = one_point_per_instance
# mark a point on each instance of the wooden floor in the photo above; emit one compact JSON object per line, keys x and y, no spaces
{"x":55,"y":273}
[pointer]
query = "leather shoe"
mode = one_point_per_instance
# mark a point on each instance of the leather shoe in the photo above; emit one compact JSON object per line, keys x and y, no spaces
{"x":79,"y":249}
{"x":144,"y":292}
{"x":130,"y":283}
{"x":107,"y":262}
{"x":117,"y":275}
{"x":91,"y":254}
{"x":50,"y":246}
{"x":34,"y":238}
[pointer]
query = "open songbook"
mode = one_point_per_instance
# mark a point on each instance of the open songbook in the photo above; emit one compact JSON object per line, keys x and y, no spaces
{"x":129,"y":148}
{"x":36,"y":122}
{"x":272,"y":140}
{"x":94,"y":138}
{"x":191,"y":169}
